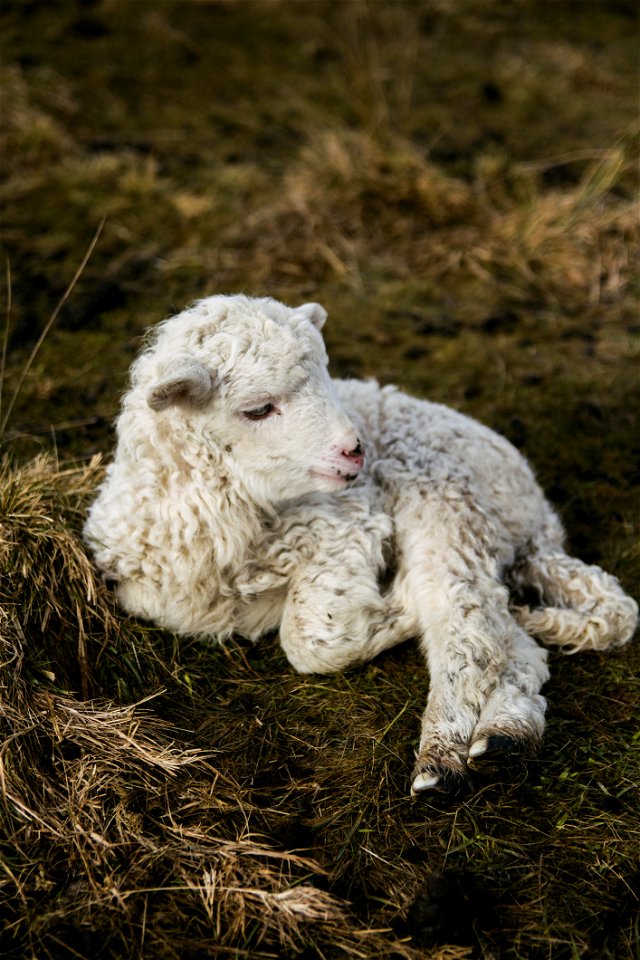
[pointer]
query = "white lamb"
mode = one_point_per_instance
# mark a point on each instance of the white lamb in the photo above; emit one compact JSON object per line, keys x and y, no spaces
{"x":240,"y":501}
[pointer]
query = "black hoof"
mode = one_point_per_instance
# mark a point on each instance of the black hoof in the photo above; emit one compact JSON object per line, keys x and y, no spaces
{"x":440,"y":782}
{"x":502,"y":752}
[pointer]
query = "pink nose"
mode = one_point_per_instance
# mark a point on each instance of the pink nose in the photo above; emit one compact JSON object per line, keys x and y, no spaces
{"x":356,"y":456}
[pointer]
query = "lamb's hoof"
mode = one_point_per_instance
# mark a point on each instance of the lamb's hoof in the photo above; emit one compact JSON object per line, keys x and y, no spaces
{"x":426,"y":781}
{"x":439,"y":781}
{"x":492,"y":754}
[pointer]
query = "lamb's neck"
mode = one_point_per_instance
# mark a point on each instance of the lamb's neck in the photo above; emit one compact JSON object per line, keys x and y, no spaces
{"x":231,"y":518}
{"x":202,"y":487}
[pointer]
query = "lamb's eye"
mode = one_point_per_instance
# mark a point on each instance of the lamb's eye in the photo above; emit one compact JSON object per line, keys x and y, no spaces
{"x":260,"y":413}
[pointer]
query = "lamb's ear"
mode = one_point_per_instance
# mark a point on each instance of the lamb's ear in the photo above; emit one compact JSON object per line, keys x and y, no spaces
{"x":184,"y":380}
{"x":313,"y":312}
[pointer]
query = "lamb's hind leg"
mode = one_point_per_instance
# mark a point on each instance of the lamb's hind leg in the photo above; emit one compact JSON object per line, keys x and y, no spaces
{"x":583,"y":607}
{"x":486,"y":674}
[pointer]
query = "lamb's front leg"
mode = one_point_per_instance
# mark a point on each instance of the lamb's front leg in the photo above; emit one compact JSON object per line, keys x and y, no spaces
{"x":485,"y":672}
{"x":336,"y":617}
{"x":486,"y":676}
{"x":512,"y":720}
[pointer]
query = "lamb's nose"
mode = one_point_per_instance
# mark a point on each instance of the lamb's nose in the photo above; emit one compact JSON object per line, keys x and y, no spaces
{"x":356,"y":455}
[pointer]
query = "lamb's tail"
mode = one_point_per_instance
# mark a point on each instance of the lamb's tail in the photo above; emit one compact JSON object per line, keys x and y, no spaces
{"x":583,"y":608}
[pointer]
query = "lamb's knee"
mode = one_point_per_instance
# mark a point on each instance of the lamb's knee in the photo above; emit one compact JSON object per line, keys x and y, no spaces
{"x":310,"y":650}
{"x":311,"y":655}
{"x":323,"y":638}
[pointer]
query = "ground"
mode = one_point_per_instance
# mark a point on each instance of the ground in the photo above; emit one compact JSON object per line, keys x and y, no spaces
{"x":456,"y":182}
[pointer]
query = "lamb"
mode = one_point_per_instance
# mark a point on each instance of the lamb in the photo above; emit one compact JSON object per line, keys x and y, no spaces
{"x":251,"y":492}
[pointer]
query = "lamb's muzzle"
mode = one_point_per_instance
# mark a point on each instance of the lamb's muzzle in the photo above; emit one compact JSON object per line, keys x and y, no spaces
{"x":343,"y":466}
{"x":355,"y":456}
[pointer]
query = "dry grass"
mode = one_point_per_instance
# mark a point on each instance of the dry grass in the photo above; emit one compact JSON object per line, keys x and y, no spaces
{"x":457,"y":183}
{"x":351,"y":205}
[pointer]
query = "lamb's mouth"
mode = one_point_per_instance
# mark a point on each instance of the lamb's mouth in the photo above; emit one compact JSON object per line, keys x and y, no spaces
{"x":336,"y":476}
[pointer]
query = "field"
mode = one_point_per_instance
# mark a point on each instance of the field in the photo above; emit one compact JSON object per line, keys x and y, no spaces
{"x":456,"y":181}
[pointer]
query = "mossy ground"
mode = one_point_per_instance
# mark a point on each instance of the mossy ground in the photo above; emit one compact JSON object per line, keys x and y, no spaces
{"x":457,"y":183}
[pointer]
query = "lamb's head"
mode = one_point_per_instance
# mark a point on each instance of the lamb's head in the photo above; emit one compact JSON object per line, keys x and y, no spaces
{"x":250,"y":377}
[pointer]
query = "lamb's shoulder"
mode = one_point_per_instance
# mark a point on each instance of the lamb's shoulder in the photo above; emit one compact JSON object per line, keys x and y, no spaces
{"x":389,"y":416}
{"x":410,"y":439}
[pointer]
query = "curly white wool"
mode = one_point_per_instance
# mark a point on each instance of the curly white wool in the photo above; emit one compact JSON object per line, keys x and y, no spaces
{"x":238,"y":502}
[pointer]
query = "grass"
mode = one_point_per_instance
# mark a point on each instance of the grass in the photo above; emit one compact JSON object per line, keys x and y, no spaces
{"x":457,"y":183}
